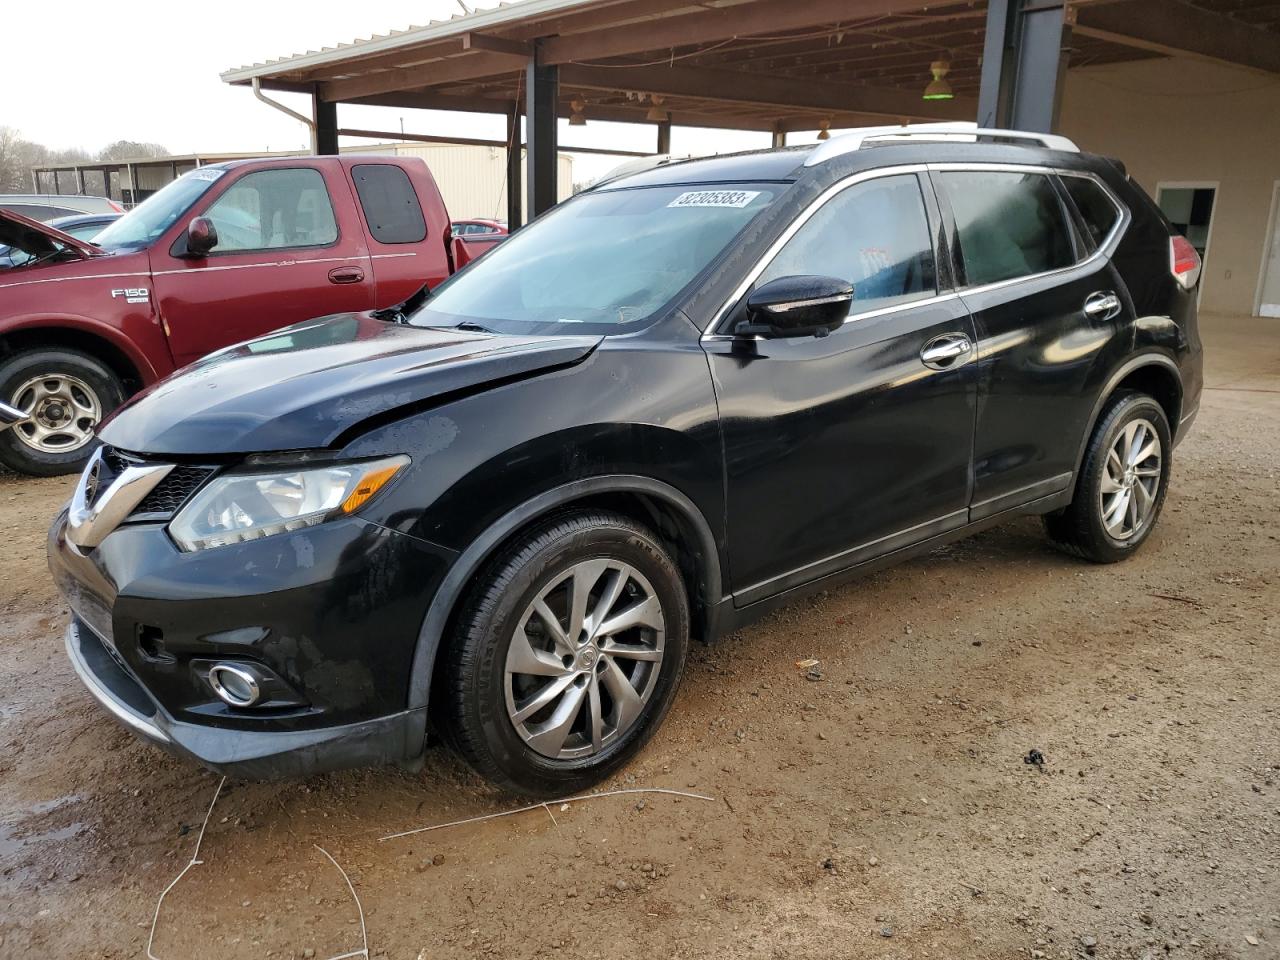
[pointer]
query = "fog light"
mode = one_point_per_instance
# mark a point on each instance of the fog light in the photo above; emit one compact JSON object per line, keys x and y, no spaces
{"x":234,"y":685}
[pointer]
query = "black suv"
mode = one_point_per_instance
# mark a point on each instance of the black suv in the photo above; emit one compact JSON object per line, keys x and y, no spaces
{"x":674,"y":402}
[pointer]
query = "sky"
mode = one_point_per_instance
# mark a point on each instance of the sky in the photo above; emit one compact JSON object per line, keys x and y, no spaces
{"x":149,"y":71}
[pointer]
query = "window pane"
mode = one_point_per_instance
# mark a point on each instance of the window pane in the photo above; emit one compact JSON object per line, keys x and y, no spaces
{"x":390,"y":203}
{"x":874,"y":235}
{"x":1008,"y":224}
{"x":1096,"y":208}
{"x":272,"y":209}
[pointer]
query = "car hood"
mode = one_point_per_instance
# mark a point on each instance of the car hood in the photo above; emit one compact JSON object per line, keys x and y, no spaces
{"x":305,"y":386}
{"x":36,"y":238}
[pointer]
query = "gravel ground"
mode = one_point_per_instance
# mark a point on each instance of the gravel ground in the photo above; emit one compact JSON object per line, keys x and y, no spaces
{"x":881,"y":810}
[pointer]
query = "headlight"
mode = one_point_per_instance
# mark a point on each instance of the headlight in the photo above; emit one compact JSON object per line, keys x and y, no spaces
{"x":245,"y":506}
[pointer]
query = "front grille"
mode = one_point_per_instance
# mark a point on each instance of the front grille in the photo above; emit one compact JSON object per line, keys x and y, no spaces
{"x":174,"y":490}
{"x":169,"y":494}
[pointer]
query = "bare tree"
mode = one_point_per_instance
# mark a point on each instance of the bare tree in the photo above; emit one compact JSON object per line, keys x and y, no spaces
{"x":131,"y":150}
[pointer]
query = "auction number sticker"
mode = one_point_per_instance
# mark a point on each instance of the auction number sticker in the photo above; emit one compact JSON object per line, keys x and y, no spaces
{"x":715,"y":198}
{"x":206,"y":173}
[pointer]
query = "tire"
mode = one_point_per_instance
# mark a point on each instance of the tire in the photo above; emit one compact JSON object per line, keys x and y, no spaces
{"x":60,"y":435}
{"x":1097,"y":525}
{"x":489,"y":713}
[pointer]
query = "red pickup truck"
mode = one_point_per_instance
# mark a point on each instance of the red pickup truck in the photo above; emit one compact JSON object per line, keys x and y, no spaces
{"x":224,"y":253}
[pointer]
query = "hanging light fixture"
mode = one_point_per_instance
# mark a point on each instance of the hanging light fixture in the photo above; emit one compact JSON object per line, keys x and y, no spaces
{"x":577,"y":118}
{"x":939,"y":88}
{"x":656,"y":113}
{"x":824,"y":130}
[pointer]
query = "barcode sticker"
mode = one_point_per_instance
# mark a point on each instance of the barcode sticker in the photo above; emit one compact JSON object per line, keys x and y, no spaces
{"x":715,"y":198}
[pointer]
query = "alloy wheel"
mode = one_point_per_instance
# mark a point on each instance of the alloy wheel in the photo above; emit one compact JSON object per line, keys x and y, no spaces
{"x":61,"y":413}
{"x":584,"y":659}
{"x":1131,"y":479}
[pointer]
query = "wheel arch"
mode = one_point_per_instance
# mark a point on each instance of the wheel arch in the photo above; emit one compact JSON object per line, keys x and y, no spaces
{"x":101,"y":343}
{"x":1152,"y":373}
{"x":661,"y":507}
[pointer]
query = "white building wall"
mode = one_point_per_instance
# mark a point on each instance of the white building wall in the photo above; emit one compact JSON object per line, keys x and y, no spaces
{"x":1179,"y":120}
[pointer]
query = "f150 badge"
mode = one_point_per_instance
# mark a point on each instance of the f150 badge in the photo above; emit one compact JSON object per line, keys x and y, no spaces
{"x":132,"y":294}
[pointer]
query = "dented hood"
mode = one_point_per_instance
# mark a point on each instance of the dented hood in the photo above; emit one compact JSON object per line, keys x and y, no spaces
{"x":36,"y":238}
{"x":306,"y":386}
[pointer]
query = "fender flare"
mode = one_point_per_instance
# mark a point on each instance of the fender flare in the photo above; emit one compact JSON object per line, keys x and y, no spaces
{"x":479,"y":550}
{"x":34,"y":323}
{"x":1134,"y":363}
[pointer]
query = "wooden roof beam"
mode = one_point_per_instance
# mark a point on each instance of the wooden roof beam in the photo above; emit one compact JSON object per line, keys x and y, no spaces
{"x":732,"y":86}
{"x":466,"y":66}
{"x":1180,"y":30}
{"x":715,"y":25}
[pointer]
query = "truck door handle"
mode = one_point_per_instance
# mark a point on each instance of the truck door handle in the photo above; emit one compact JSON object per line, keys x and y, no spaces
{"x":943,"y":352}
{"x":1102,"y":305}
{"x":346,"y":275}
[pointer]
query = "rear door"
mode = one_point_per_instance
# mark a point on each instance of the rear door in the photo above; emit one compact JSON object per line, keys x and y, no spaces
{"x":848,"y":446}
{"x":1046,"y":305}
{"x":290,"y":247}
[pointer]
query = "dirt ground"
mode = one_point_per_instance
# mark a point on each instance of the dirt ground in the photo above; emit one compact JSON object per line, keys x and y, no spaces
{"x":883,"y":810}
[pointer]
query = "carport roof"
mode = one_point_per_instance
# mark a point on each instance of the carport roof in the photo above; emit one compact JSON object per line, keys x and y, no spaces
{"x":748,"y":64}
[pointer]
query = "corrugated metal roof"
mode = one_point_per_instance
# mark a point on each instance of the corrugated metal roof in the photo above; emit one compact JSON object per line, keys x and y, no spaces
{"x":501,"y":15}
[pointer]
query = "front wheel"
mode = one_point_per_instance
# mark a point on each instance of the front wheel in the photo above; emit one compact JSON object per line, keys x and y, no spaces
{"x":568,"y":654}
{"x":1122,"y":482}
{"x":64,"y":394}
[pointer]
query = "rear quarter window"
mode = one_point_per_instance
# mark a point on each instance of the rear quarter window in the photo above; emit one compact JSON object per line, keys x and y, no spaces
{"x":390,"y":203}
{"x":1097,"y":210}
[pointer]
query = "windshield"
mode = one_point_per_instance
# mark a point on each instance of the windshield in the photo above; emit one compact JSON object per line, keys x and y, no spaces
{"x":604,"y":261}
{"x":144,"y":223}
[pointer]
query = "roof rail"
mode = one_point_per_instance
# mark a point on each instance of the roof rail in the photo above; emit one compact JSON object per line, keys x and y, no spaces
{"x":968,"y":132}
{"x":639,"y":165}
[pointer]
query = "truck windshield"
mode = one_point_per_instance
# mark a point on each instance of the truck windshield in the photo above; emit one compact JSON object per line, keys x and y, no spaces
{"x":605,"y":261}
{"x":148,"y":220}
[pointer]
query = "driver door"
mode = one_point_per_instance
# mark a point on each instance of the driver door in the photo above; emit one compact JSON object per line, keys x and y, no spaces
{"x":844,"y":447}
{"x":285,"y":253}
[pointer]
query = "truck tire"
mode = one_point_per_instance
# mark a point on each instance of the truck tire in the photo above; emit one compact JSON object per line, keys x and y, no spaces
{"x":65,"y":394}
{"x":548,"y":707}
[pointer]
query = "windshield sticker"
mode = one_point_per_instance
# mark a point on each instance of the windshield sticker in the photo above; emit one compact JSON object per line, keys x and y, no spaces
{"x":206,"y":173}
{"x":715,"y":198}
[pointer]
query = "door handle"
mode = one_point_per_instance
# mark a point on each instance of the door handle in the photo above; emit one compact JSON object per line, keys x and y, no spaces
{"x":945,"y":351}
{"x":1102,"y":305}
{"x":346,"y":275}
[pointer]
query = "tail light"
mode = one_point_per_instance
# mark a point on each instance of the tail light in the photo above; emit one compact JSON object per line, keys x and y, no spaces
{"x":1184,"y":262}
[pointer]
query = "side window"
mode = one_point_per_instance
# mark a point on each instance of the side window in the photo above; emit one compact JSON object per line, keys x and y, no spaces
{"x":1096,"y":209}
{"x":272,"y":209}
{"x":875,"y":235}
{"x":390,"y":203}
{"x":1008,"y":225}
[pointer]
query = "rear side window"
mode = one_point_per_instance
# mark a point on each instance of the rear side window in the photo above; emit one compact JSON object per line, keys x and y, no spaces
{"x":272,"y":209}
{"x":1096,"y":209}
{"x":875,"y":235}
{"x":1008,"y":225}
{"x":390,"y":203}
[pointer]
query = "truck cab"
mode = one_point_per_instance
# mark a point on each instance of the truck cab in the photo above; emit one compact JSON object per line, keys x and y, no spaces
{"x":224,"y":253}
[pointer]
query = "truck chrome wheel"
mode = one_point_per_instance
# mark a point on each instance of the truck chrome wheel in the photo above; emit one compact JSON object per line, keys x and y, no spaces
{"x":1130,"y":479}
{"x":584,"y":659}
{"x":61,"y":412}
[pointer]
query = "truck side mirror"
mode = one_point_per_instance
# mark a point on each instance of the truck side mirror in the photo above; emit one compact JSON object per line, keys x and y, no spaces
{"x":202,"y":236}
{"x":802,"y":306}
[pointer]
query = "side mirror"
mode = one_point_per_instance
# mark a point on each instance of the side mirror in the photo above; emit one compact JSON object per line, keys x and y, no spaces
{"x":804,"y":306}
{"x":202,"y":236}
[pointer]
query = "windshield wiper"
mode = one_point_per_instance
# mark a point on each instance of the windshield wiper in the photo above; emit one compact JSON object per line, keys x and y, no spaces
{"x":472,"y":327}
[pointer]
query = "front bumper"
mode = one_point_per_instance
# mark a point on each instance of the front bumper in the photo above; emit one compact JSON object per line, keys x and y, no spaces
{"x":245,"y":754}
{"x":334,"y":614}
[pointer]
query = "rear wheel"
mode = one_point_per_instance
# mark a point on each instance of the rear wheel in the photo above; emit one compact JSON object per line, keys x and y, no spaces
{"x":64,"y":394}
{"x":1121,"y":487}
{"x":568,"y":654}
